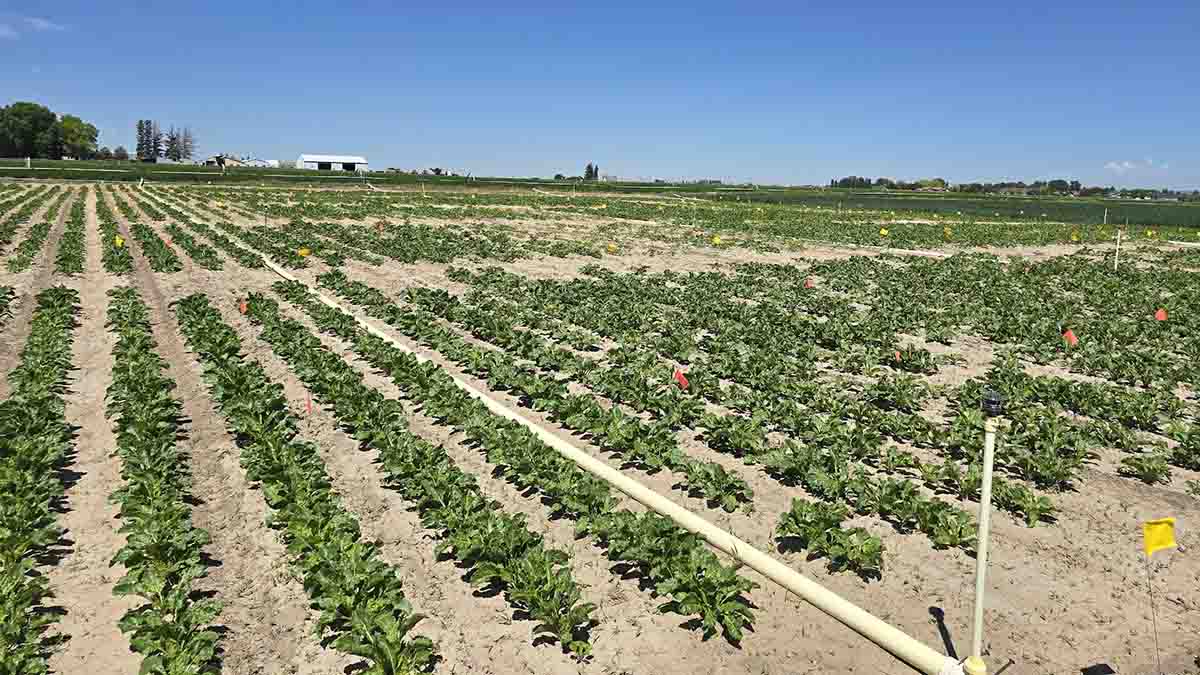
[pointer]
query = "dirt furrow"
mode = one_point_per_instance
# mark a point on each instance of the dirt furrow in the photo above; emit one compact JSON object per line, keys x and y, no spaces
{"x":27,"y":284}
{"x":83,"y":580}
{"x":266,"y":621}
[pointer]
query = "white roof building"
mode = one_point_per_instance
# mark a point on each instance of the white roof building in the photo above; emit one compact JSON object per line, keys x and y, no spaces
{"x":332,"y":162}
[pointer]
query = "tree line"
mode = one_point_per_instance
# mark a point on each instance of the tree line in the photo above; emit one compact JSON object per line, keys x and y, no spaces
{"x":175,"y":144}
{"x":32,"y":130}
{"x":590,"y":172}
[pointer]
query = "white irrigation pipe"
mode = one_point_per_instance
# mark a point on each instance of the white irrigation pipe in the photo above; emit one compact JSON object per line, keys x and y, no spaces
{"x":899,"y":643}
{"x":975,"y":664}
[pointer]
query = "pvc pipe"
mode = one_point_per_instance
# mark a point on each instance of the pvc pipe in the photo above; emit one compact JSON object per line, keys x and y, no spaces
{"x":974,"y":664}
{"x":900,"y":644}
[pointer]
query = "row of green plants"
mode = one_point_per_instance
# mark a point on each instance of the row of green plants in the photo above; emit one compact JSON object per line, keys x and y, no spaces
{"x":770,"y":356}
{"x":71,"y":247}
{"x":674,"y":563}
{"x":363,"y":610}
{"x":35,"y":444}
{"x":114,"y":254}
{"x":405,"y":241}
{"x":650,"y":447}
{"x":163,"y":553}
{"x":35,"y":238}
{"x":805,"y":408}
{"x":244,"y":257}
{"x":7,"y":296}
{"x":160,"y":256}
{"x":26,"y":203}
{"x":496,"y":548}
{"x":816,"y":527}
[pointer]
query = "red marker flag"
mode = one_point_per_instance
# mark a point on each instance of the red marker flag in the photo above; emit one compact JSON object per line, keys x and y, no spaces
{"x":1161,"y":314}
{"x":308,"y":402}
{"x":681,"y":379}
{"x":243,"y":307}
{"x":897,"y":356}
{"x":1069,"y":336}
{"x":808,"y":283}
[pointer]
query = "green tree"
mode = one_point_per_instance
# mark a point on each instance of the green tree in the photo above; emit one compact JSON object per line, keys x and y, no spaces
{"x":104,"y":153}
{"x":173,"y":145}
{"x":78,"y":137}
{"x":121,"y":154}
{"x":28,"y":130}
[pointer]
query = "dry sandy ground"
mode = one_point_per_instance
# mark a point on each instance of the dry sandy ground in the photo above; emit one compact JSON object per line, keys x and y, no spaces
{"x":1061,"y":597}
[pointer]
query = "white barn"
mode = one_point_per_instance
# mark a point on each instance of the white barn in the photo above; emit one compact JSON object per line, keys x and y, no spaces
{"x":332,"y":162}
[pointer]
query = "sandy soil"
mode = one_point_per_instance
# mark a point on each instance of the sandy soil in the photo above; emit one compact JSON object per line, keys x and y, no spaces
{"x":1058,"y":591}
{"x":84,"y":580}
{"x":1062,"y":597}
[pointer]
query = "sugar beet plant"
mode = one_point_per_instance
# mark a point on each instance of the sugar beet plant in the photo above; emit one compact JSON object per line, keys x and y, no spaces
{"x":497,"y":549}
{"x":29,"y":202}
{"x":34,"y":441}
{"x":35,"y":238}
{"x":676,"y":564}
{"x":163,"y":550}
{"x":115,"y":254}
{"x":70,"y":256}
{"x":238,"y":253}
{"x":363,"y":610}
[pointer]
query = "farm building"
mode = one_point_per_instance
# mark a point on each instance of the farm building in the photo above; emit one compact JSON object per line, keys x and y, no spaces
{"x":332,"y":162}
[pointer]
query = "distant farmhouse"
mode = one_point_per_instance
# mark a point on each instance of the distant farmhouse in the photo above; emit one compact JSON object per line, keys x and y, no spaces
{"x":332,"y":162}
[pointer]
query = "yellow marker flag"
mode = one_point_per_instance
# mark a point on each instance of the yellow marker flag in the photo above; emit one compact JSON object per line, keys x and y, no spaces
{"x":118,"y":240}
{"x":304,"y":252}
{"x":1158,"y":534}
{"x":883,"y":232}
{"x":716,"y":240}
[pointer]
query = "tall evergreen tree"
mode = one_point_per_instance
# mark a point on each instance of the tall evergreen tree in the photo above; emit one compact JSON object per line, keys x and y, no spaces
{"x":143,"y":139}
{"x":189,"y":143}
{"x":173,"y":145}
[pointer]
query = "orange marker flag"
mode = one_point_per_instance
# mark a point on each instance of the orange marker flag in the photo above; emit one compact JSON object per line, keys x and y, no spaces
{"x":897,"y":356}
{"x":808,"y":283}
{"x":308,"y":402}
{"x":681,"y":379}
{"x":243,"y":306}
{"x":1161,"y":314}
{"x":1069,"y":336}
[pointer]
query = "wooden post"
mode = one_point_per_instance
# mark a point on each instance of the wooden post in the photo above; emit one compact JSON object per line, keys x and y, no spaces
{"x":1117,"y":256}
{"x":1106,"y":215}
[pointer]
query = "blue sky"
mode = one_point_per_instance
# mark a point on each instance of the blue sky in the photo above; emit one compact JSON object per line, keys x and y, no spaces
{"x":1106,"y":93}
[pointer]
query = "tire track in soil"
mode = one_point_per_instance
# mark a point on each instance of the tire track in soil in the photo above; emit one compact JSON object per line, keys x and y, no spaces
{"x":266,"y":620}
{"x":83,"y":581}
{"x":27,"y":284}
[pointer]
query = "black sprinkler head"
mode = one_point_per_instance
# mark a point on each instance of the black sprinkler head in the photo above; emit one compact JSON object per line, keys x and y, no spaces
{"x":993,"y":403}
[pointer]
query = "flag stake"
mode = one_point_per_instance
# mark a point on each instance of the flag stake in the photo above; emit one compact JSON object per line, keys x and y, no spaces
{"x":1153,"y":616}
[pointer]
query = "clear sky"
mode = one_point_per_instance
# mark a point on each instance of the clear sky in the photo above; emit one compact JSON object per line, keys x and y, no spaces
{"x":1103,"y":92}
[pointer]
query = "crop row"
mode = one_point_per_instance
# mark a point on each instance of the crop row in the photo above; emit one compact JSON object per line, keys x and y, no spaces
{"x":29,"y":202}
{"x":163,"y":551}
{"x":70,"y":256}
{"x":34,"y":443}
{"x":35,"y":237}
{"x":496,"y":548}
{"x":761,"y":348}
{"x":203,"y":254}
{"x":363,"y":610}
{"x":7,"y":296}
{"x":675,"y":563}
{"x":637,"y":379}
{"x":243,"y":256}
{"x":651,"y":447}
{"x":115,"y":254}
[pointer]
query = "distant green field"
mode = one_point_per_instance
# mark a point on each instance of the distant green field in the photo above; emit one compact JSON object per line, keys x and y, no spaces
{"x":1084,"y":211}
{"x":905,"y":205}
